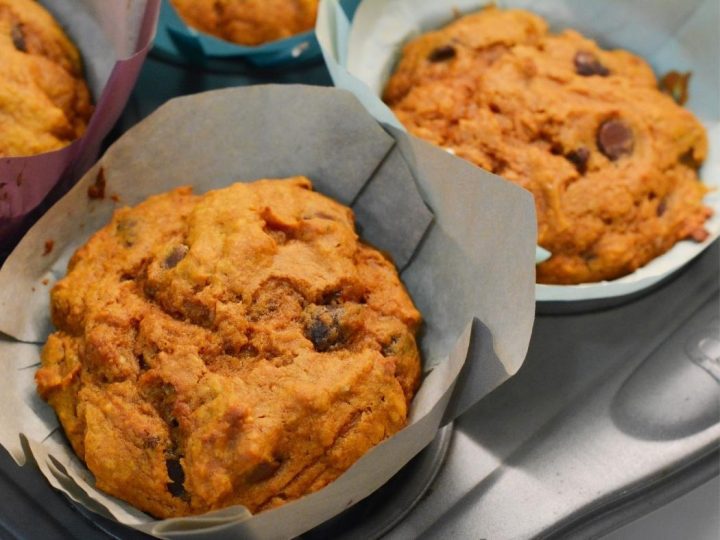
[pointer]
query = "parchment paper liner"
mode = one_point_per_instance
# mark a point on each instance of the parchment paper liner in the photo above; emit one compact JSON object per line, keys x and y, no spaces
{"x":113,"y":38}
{"x":468,"y":270}
{"x":670,"y":35}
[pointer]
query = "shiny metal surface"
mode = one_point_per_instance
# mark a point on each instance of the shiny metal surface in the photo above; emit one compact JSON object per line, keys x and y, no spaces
{"x":609,"y":409}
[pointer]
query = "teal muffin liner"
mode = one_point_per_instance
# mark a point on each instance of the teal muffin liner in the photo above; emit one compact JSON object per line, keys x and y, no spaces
{"x":178,"y":42}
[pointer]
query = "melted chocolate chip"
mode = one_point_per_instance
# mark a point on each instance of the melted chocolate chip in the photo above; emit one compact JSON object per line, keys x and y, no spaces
{"x":579,"y":157}
{"x":661,"y":208}
{"x":332,"y":298}
{"x":324,"y":329}
{"x":126,"y":229}
{"x":175,"y":256}
{"x":198,"y":313}
{"x":18,"y":38}
{"x":442,"y":54}
{"x":177,"y":477}
{"x":556,"y":149}
{"x":587,"y":64}
{"x":688,"y":159}
{"x":615,"y":139}
{"x":263,"y":471}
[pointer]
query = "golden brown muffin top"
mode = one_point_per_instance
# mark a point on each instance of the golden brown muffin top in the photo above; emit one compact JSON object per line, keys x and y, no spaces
{"x":238,"y":347}
{"x":44,"y":101}
{"x":611,"y":161}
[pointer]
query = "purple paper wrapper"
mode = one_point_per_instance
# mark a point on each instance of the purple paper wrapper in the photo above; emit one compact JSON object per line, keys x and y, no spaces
{"x":30,"y":184}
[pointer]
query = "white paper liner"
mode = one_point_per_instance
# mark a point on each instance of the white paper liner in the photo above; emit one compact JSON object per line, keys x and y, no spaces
{"x":670,"y":35}
{"x":473,"y":283}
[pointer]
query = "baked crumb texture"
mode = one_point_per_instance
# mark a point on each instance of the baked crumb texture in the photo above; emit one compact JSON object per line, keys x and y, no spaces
{"x":249,"y":22}
{"x":240,"y":347}
{"x":44,"y":101}
{"x":611,"y":161}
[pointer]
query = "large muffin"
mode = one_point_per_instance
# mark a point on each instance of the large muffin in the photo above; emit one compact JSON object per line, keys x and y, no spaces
{"x":239,"y":347}
{"x":44,"y":101}
{"x":611,"y":161}
{"x":249,"y":22}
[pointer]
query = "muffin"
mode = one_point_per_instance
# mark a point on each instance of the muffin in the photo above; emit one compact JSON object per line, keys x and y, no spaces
{"x":249,"y":22}
{"x":44,"y":100}
{"x":611,"y":160}
{"x":239,"y":347}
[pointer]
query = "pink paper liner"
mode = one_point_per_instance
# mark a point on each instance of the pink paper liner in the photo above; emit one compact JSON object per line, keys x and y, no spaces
{"x":27,"y":182}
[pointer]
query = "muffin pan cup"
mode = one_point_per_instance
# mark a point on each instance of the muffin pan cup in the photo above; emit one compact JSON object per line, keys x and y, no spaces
{"x":472,"y":283}
{"x":362,"y":53}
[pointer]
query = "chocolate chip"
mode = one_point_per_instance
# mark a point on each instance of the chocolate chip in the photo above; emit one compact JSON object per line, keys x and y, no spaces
{"x":615,"y":139}
{"x":126,"y":229}
{"x":323,"y":328}
{"x":18,"y":38}
{"x":198,"y":313}
{"x":176,"y":255}
{"x":688,"y":159}
{"x":177,"y":477}
{"x":579,"y":157}
{"x":587,"y":64}
{"x":442,"y":53}
{"x":263,"y":471}
{"x":332,"y":298}
{"x":589,"y":256}
{"x":142,"y":363}
{"x":661,"y":208}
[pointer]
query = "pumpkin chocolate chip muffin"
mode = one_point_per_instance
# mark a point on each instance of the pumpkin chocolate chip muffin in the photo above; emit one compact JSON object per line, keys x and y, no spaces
{"x":239,"y":347}
{"x":44,"y":101}
{"x":249,"y":22}
{"x":610,"y":159}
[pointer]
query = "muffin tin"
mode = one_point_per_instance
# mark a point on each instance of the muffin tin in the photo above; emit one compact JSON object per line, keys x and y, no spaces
{"x":636,"y":418}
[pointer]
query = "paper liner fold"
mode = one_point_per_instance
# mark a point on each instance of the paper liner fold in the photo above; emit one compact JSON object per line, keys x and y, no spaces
{"x":445,"y":220}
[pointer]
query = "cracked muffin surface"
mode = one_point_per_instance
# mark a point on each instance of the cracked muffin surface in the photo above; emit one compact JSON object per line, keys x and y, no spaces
{"x":238,"y":347}
{"x":610,"y":160}
{"x":249,"y":22}
{"x":44,"y":101}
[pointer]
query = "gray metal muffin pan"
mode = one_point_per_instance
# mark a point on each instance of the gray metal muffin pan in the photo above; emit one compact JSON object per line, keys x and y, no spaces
{"x":615,"y":411}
